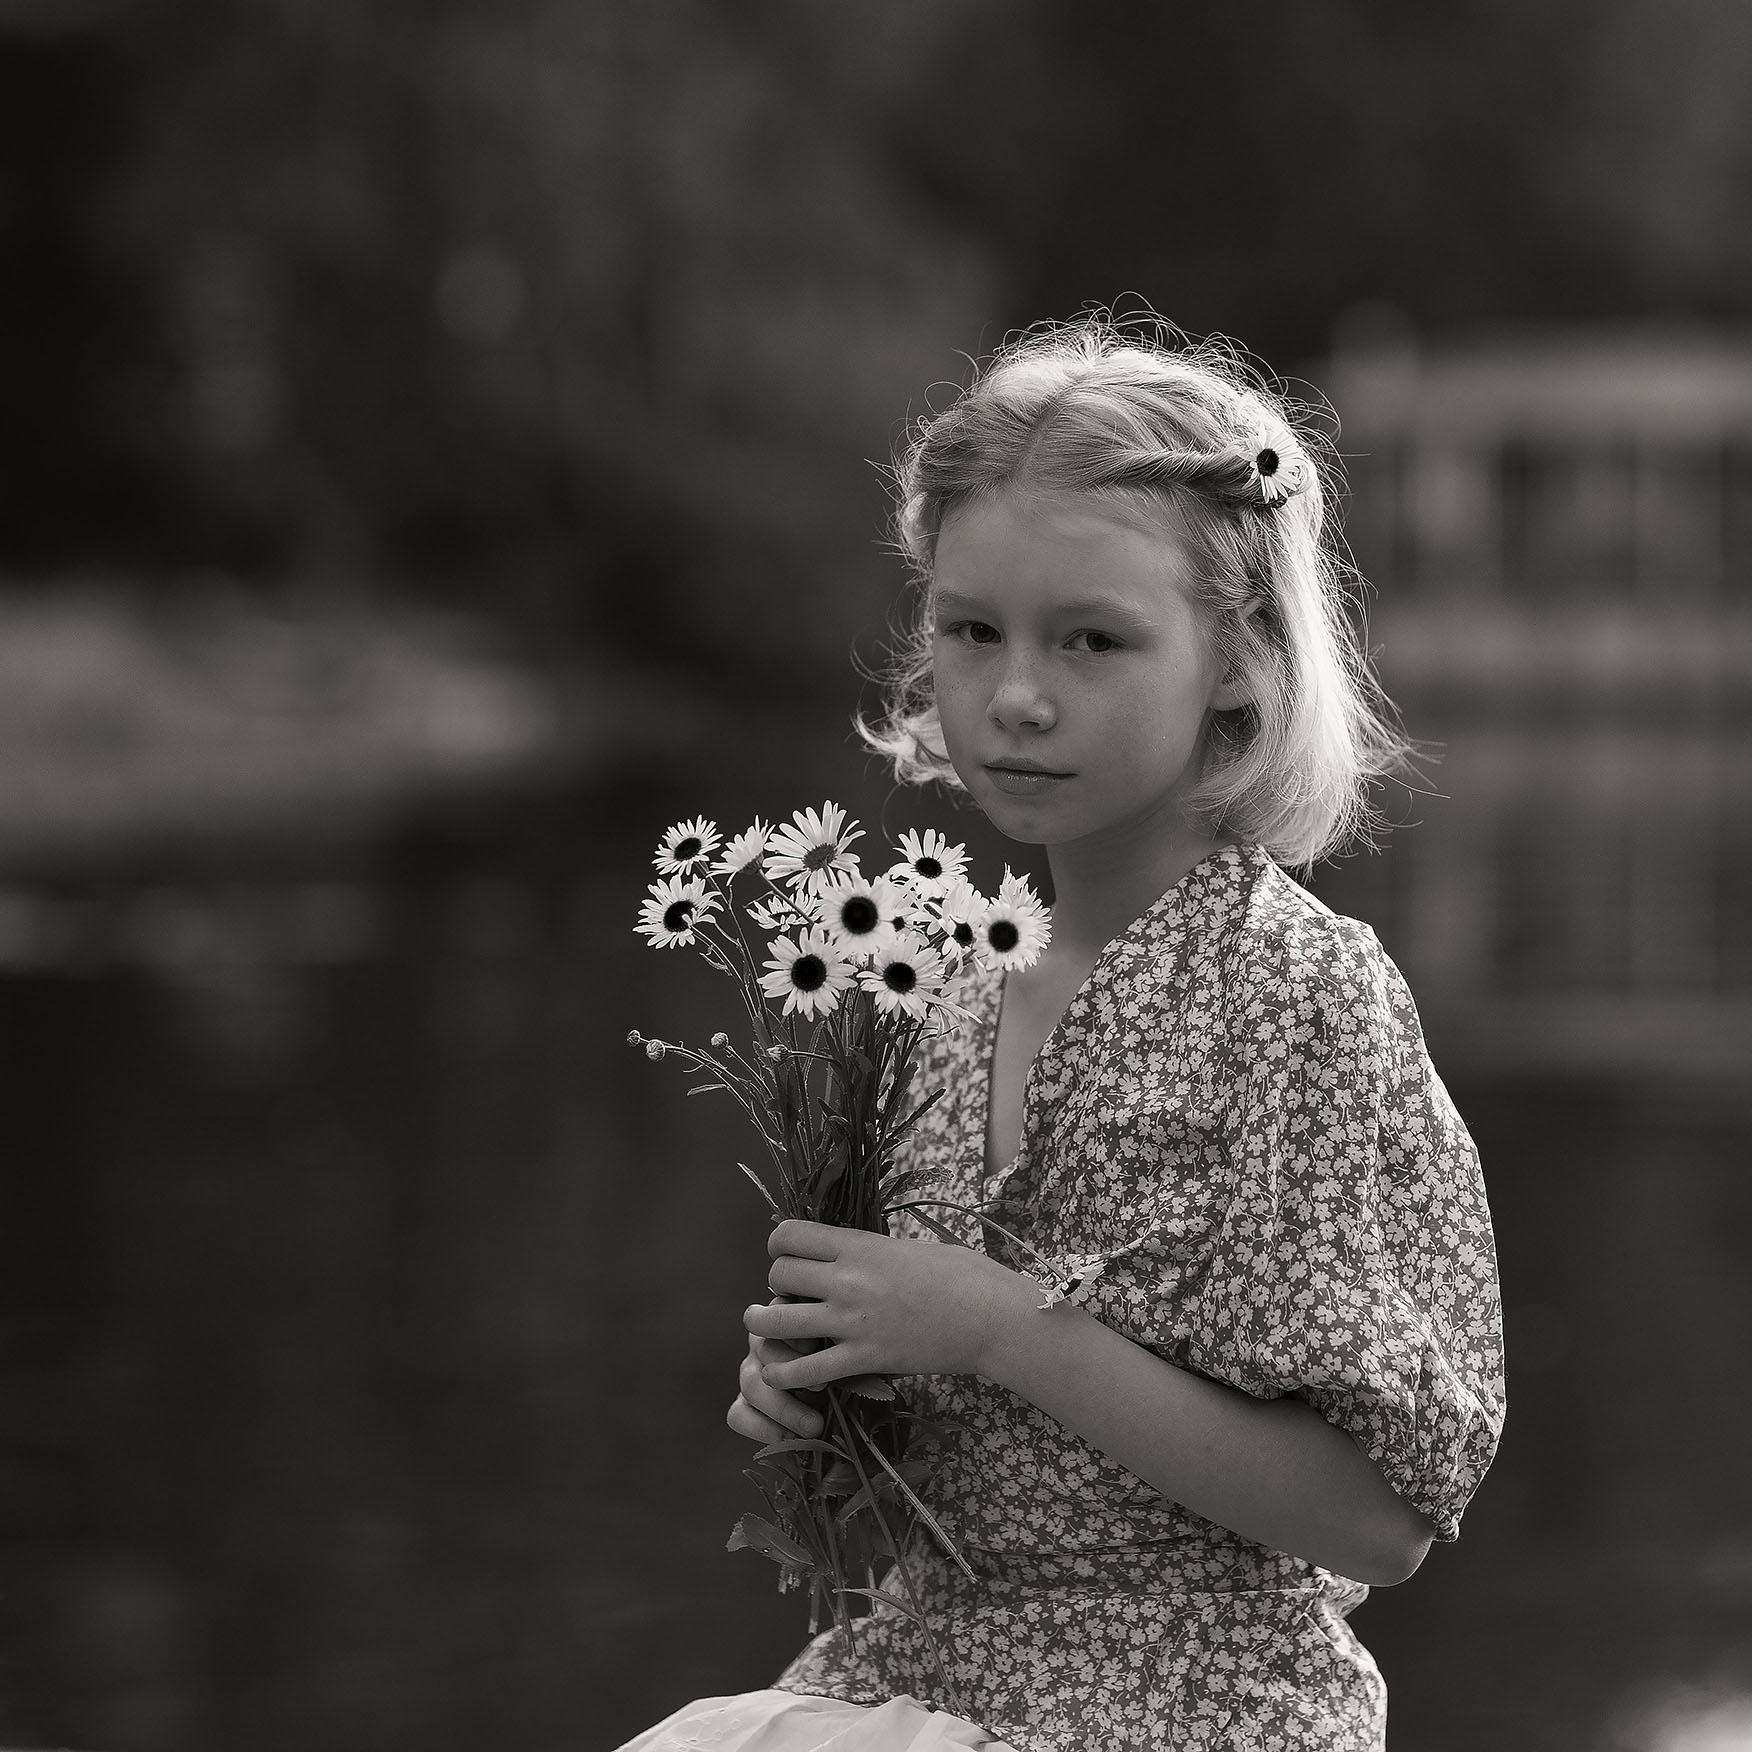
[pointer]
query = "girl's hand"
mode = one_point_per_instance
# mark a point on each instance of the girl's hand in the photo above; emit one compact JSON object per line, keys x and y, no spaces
{"x":769,"y":1414}
{"x":885,"y":1306}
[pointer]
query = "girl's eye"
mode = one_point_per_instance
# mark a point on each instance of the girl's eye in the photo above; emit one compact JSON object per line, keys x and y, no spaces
{"x":974,"y":632}
{"x":1095,"y":641}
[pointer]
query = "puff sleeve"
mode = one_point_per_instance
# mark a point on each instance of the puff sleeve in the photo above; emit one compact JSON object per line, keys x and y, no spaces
{"x":1356,"y":1266}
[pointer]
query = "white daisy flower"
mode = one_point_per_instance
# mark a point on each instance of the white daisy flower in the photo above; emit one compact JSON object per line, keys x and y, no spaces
{"x":809,"y":973}
{"x":960,"y":911}
{"x":860,"y":916}
{"x":1016,"y":927}
{"x":1072,"y":1279}
{"x":748,"y":847}
{"x":687,"y":846}
{"x":811,"y":853}
{"x":904,"y":975}
{"x":676,"y":905}
{"x":928,"y":862}
{"x":1281,"y":469}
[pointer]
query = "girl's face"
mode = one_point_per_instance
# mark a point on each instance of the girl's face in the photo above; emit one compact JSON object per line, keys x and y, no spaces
{"x":1074,"y":675}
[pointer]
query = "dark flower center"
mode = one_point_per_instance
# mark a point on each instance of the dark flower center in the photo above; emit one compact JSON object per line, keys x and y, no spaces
{"x":1267,"y":462}
{"x":677,"y":915}
{"x":898,"y":977}
{"x":819,"y":857}
{"x":963,"y":934}
{"x":859,"y":915}
{"x":928,"y":867}
{"x":1003,"y":936}
{"x":687,"y":850}
{"x":808,"y":973}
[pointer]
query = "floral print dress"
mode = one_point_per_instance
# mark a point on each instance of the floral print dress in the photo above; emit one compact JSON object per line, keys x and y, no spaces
{"x":1237,"y":1115}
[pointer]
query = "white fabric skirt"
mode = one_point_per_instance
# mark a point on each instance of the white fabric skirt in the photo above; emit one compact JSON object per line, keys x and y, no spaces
{"x":784,"y":1721}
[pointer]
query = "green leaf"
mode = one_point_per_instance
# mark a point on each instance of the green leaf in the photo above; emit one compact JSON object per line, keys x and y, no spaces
{"x":780,"y":1490}
{"x":786,"y":1495}
{"x":754,"y":1534}
{"x":866,"y":1495}
{"x":801,"y":1445}
{"x":839,"y":1480}
{"x":866,"y":1386}
{"x":772,"y":1203}
{"x":902,"y":1185}
{"x":919,"y":1112}
{"x":938,"y":1229}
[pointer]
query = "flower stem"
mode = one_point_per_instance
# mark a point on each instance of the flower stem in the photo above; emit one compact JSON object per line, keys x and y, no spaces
{"x":846,"y":1430}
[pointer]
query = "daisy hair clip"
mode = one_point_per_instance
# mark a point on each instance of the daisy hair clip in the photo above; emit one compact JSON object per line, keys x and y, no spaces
{"x":1280,"y":467}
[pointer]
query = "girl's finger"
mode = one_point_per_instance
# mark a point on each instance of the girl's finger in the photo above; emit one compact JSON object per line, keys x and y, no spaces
{"x":783,"y":1409}
{"x":807,"y":1240}
{"x":747,"y":1420}
{"x":792,"y":1275}
{"x":814,"y":1370}
{"x":774,"y":1403}
{"x":788,"y":1320}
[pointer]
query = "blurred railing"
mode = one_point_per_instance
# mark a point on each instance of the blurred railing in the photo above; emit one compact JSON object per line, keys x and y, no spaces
{"x":1559,"y":530}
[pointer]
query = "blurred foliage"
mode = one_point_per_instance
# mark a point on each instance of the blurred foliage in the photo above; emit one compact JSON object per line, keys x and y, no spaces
{"x":586,"y":313}
{"x":598,"y":314}
{"x":1476,"y":162}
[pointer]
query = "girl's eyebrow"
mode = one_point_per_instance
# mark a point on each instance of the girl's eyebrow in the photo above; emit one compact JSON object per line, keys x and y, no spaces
{"x":951,"y":600}
{"x":1104,"y":608}
{"x":1100,"y":608}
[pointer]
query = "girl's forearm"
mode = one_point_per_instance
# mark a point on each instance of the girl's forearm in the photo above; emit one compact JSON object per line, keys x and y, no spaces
{"x":1272,"y":1470}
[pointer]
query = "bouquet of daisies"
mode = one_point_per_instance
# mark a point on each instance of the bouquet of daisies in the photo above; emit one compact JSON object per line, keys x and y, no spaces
{"x":842,"y":976}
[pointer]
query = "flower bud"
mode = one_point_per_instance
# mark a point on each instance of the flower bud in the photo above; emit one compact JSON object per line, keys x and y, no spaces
{"x":635,"y":1038}
{"x":720,"y":1041}
{"x":655,"y":1049}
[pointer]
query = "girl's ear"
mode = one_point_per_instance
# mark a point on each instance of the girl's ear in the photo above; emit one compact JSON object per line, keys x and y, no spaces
{"x":1229,"y":695}
{"x":1232,"y":692}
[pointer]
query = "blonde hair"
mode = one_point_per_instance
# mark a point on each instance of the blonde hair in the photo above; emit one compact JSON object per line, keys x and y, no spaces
{"x":1090,"y":407}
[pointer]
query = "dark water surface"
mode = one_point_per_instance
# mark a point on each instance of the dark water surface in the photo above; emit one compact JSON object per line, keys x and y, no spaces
{"x":371,"y":1314}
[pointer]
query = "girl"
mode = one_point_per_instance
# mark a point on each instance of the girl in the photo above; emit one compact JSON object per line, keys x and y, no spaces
{"x":1279,"y":1376}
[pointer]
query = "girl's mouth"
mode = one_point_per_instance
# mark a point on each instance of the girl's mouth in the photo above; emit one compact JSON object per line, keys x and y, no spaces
{"x":1025,"y":781}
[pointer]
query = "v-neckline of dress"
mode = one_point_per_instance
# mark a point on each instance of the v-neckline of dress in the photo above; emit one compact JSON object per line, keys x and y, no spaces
{"x":990,"y":1181}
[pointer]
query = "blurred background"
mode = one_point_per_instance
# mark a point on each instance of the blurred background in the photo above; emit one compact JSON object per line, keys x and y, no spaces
{"x":438,"y":449}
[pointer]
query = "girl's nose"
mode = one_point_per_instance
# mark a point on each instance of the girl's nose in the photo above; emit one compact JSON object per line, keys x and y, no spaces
{"x":1020,"y":703}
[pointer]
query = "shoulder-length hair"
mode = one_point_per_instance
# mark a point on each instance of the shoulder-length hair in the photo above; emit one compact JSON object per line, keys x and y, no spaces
{"x":1090,"y":408}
